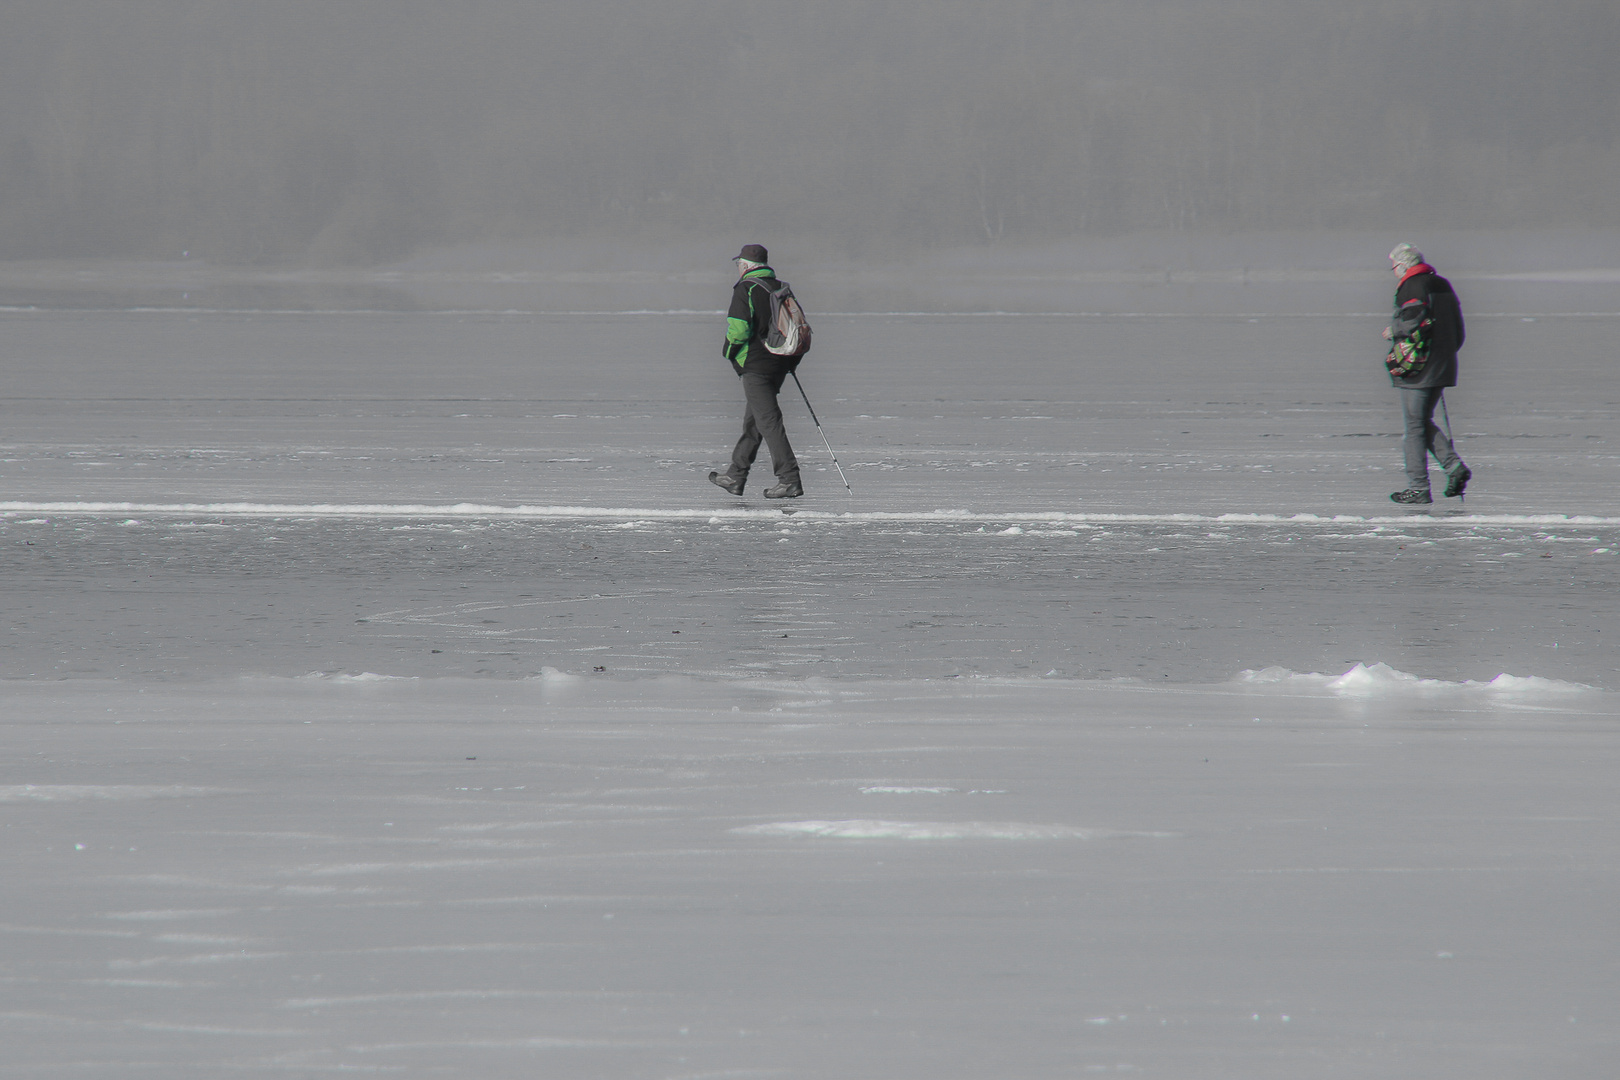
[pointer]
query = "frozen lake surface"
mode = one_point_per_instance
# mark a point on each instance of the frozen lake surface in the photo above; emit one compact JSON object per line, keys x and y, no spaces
{"x":576,"y":876}
{"x":1280,"y":414}
{"x":389,"y":693}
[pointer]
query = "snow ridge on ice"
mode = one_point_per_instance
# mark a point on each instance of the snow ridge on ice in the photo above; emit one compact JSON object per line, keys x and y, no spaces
{"x":1380,"y":680}
{"x":867,"y":829}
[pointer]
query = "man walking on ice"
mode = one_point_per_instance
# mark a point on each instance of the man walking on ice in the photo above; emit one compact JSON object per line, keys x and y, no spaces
{"x":762,"y":373}
{"x":1425,"y":334}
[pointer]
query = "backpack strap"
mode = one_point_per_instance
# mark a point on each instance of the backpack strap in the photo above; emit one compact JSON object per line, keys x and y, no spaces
{"x":752,"y":281}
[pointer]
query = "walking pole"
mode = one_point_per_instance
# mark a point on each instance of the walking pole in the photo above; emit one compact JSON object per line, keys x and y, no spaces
{"x":824,"y":441}
{"x":1445,"y":418}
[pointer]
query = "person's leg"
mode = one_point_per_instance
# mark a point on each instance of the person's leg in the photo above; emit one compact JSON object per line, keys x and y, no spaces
{"x":1439,"y":445}
{"x":765,"y":416}
{"x":1457,"y":473}
{"x":747,"y":448}
{"x":1417,"y":408}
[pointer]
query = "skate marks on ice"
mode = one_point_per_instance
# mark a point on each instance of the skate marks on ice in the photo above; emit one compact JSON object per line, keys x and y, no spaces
{"x":667,"y":877}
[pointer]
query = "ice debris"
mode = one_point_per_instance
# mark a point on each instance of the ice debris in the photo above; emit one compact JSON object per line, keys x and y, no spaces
{"x":1379,"y":679}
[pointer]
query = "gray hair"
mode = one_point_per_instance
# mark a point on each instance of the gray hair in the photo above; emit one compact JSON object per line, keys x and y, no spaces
{"x":1405,"y":256}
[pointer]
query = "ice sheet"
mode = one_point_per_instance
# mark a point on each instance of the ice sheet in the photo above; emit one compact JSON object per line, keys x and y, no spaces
{"x":1166,"y":414}
{"x":682,"y":877}
{"x":753,"y":593}
{"x":391,"y":693}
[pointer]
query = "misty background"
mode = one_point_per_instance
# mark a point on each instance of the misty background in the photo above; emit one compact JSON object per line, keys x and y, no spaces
{"x":353,"y":133}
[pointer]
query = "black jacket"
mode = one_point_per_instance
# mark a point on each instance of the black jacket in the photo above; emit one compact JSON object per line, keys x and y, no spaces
{"x":1445,"y":336}
{"x":748,"y":321}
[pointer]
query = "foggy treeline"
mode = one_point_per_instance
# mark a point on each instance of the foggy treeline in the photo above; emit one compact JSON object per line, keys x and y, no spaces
{"x":354,"y":131}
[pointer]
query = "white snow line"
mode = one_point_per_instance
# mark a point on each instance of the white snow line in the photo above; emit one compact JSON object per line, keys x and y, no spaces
{"x":55,"y":793}
{"x":365,"y":511}
{"x":869,"y":829}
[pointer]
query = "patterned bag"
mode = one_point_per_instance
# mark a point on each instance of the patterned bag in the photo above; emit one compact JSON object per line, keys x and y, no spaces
{"x":1409,"y":331}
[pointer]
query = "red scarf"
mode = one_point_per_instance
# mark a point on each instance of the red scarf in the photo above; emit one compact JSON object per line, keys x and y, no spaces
{"x":1420,"y":268}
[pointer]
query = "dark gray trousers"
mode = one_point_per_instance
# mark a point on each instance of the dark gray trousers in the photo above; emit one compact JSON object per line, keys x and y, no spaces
{"x":1424,"y":437}
{"x":762,"y":422}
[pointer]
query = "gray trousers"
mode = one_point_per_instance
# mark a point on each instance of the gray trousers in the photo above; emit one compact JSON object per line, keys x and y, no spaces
{"x":1424,"y":437}
{"x":762,"y":422}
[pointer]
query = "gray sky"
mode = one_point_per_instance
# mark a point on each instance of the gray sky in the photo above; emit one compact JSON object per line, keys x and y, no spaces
{"x":357,"y":131}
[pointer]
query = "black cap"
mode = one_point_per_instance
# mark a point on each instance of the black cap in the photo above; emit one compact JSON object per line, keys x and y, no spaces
{"x":753,"y":253}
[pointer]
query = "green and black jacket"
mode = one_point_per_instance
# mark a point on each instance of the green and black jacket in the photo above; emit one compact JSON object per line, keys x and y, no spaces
{"x":748,"y":321}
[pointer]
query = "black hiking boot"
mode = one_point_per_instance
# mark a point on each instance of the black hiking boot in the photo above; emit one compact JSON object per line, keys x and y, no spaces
{"x":1457,"y":481}
{"x":731,"y":483}
{"x":1412,"y":497}
{"x":787,"y":489}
